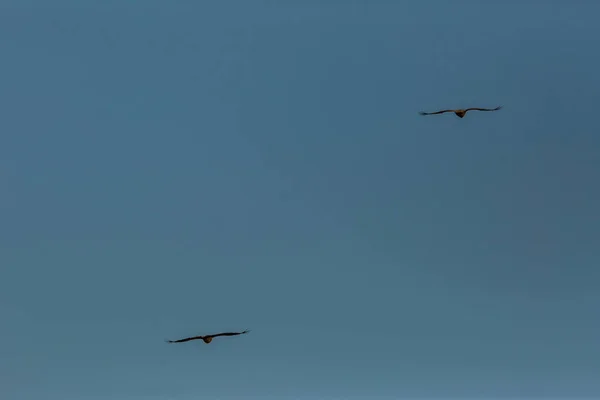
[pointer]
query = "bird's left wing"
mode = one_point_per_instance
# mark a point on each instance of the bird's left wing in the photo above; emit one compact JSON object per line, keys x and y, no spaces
{"x":483,"y":109}
{"x":230,"y":333}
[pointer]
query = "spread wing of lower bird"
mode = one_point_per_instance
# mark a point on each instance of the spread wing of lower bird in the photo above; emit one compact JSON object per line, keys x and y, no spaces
{"x":229,"y":333}
{"x":483,"y":109}
{"x":437,"y":112}
{"x":186,"y":339}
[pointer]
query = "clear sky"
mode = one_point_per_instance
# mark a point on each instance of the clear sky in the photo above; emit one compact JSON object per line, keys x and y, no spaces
{"x":172,"y":168}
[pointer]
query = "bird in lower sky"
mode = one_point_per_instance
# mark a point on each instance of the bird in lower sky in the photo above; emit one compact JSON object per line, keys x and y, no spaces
{"x":461,"y":112}
{"x":208,"y":338}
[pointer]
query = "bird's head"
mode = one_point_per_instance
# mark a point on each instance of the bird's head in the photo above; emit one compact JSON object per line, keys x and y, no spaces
{"x":207,"y":339}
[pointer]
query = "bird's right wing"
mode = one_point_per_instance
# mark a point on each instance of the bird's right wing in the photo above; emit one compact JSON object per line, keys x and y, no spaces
{"x":437,"y":112}
{"x":185,"y":340}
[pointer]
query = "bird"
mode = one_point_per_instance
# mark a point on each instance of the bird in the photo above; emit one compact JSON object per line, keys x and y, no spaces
{"x":461,"y":112}
{"x":208,"y":338}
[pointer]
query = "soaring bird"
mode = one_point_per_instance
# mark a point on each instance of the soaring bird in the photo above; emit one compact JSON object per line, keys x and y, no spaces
{"x":208,"y":338}
{"x":462,"y":111}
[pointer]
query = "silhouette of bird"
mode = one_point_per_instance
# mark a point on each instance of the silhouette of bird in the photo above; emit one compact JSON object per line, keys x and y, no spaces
{"x":461,"y":112}
{"x":208,"y":338}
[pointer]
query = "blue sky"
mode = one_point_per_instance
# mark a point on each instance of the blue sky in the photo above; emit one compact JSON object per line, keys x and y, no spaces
{"x":178,"y":168}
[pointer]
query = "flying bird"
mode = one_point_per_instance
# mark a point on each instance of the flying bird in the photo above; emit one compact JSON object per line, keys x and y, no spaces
{"x":461,"y":112}
{"x":208,"y":338}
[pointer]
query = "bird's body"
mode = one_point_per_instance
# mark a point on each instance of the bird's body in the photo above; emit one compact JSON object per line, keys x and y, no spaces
{"x":461,"y":112}
{"x":207,"y":338}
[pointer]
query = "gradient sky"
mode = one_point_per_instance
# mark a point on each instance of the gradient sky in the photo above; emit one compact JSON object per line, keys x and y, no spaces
{"x":171,"y":168}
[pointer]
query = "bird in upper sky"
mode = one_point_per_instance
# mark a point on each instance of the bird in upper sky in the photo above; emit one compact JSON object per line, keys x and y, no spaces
{"x":208,"y":338}
{"x":461,"y":112}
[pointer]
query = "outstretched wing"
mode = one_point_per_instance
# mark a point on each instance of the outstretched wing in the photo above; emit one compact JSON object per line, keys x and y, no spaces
{"x":483,"y":109}
{"x":229,"y":333}
{"x":185,"y":340}
{"x":437,"y":112}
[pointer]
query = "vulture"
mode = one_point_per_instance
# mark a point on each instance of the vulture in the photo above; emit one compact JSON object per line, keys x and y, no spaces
{"x":461,"y":112}
{"x":208,"y":338}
